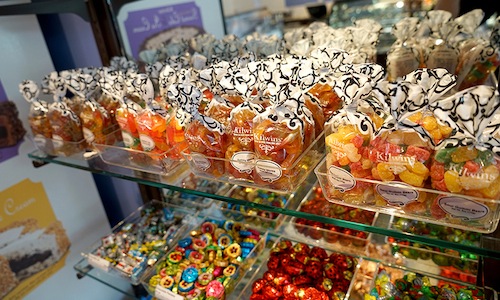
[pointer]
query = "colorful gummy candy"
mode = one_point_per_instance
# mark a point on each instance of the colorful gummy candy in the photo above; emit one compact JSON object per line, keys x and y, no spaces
{"x":298,"y":271}
{"x":204,"y":264}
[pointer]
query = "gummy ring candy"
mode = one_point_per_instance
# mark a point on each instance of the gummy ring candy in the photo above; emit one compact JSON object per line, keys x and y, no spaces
{"x":233,"y":251}
{"x":167,"y":282}
{"x":215,"y":289}
{"x":163,"y":272}
{"x":224,"y":240}
{"x":207,"y":227}
{"x":175,"y":257}
{"x":228,"y":225}
{"x":205,"y":278}
{"x":195,"y":233}
{"x":204,"y":265}
{"x":196,"y":257}
{"x":190,"y":274}
{"x":199,"y":286}
{"x":217,"y":271}
{"x":221,"y":263}
{"x":237,"y":227}
{"x":207,"y":238}
{"x":185,"y":286}
{"x":218,"y":232}
{"x":199,"y":244}
{"x":184,"y":243}
{"x":247,"y":245}
{"x":195,"y":295}
{"x":245,"y":233}
{"x":154,"y":281}
{"x":171,"y":269}
{"x":229,"y":270}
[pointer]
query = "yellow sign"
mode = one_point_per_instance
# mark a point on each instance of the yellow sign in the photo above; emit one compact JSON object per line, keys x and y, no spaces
{"x":33,"y":243}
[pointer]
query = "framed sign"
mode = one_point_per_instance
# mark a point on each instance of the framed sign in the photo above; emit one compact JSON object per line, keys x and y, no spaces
{"x":148,"y":24}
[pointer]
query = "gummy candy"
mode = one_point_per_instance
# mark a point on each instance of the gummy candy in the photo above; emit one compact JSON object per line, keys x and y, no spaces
{"x":412,"y":178}
{"x":452,"y":180}
{"x":463,"y":154}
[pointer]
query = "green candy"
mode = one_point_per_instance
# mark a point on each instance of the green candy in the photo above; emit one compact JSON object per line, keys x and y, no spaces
{"x":444,"y":155}
{"x":440,"y":260}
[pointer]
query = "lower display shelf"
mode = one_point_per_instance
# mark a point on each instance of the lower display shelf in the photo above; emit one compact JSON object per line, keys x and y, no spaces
{"x":488,"y":245}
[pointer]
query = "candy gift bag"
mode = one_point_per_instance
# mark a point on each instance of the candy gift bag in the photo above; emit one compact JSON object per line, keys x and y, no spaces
{"x":37,"y":118}
{"x":403,"y":57}
{"x":467,"y":162}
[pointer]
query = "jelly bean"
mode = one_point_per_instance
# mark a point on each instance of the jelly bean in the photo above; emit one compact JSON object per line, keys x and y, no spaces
{"x":451,"y":179}
{"x":411,"y":178}
{"x":463,"y":154}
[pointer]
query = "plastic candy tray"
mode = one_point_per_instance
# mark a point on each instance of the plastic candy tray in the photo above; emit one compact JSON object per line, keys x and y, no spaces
{"x":158,"y":163}
{"x":365,"y":281}
{"x":246,"y":291}
{"x":276,"y":178}
{"x":246,"y":265}
{"x":399,"y":199}
{"x":131,"y":226}
{"x":330,"y":238}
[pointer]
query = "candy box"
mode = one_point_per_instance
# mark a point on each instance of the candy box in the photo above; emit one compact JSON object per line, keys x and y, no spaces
{"x":335,"y":237}
{"x":209,"y":261}
{"x":164,"y":163}
{"x":135,"y":244}
{"x":278,"y":178}
{"x":399,"y":283}
{"x":295,"y":268}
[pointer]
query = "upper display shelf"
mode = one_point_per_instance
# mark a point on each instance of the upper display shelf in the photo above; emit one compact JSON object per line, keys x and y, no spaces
{"x":484,"y":245}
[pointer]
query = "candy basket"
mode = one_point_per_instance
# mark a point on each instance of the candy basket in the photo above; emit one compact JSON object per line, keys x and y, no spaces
{"x":402,"y":200}
{"x":275,"y":178}
{"x":131,"y":265}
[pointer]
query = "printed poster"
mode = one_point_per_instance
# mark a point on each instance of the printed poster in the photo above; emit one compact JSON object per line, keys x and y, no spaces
{"x":146,"y":25}
{"x":33,"y":243}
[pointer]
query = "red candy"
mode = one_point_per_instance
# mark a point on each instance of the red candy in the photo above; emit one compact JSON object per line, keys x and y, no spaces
{"x":314,"y":269}
{"x":258,"y":285}
{"x":419,"y":153}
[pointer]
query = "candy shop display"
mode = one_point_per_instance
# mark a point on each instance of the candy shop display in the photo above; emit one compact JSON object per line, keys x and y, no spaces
{"x":259,"y":218}
{"x":333,"y":236}
{"x":209,"y":262}
{"x":140,"y":240}
{"x":297,"y":270}
{"x":389,"y":283}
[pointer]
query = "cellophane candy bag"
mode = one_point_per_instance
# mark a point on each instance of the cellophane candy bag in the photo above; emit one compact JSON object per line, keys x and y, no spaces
{"x":435,"y":83}
{"x":401,"y":149}
{"x":439,"y":52}
{"x":482,"y":61}
{"x":466,"y":40}
{"x":403,"y":57}
{"x":37,"y":118}
{"x":204,"y":135}
{"x":152,"y":122}
{"x":67,"y":135}
{"x":347,"y":135}
{"x":107,"y":99}
{"x":279,"y":141}
{"x":467,"y":162}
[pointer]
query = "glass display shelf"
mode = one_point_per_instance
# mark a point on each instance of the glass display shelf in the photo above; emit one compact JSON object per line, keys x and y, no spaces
{"x":489,"y":245}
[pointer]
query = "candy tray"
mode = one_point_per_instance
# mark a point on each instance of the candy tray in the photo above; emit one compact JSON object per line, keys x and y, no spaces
{"x":402,"y":200}
{"x":165,"y":163}
{"x":155,"y":286}
{"x":264,"y":174}
{"x":135,"y":244}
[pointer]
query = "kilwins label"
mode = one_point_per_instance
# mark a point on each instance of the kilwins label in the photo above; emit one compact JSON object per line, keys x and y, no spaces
{"x":268,"y":170}
{"x":243,"y":161}
{"x":397,"y":193}
{"x":340,"y":179}
{"x":463,"y":208}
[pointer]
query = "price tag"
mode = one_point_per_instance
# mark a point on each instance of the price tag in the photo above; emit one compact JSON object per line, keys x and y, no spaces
{"x":98,"y":262}
{"x":340,"y":179}
{"x":268,"y":170}
{"x":200,"y":161}
{"x":165,"y":294}
{"x":397,"y":193}
{"x":242,"y":161}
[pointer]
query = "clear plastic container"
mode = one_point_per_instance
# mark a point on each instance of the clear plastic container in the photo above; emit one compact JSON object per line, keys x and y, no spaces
{"x":140,"y":240}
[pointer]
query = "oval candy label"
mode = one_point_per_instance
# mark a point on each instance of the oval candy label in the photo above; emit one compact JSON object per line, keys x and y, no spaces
{"x":163,"y":293}
{"x":340,"y":179}
{"x":128,"y":140}
{"x":40,"y":141}
{"x":243,"y":161}
{"x":463,"y":208}
{"x":147,"y":143}
{"x":398,"y":194}
{"x":268,"y":170}
{"x":88,"y":135}
{"x":57,"y":140}
{"x":200,"y":161}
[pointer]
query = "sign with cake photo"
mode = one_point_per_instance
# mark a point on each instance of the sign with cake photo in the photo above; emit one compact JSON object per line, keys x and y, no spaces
{"x":33,"y":243}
